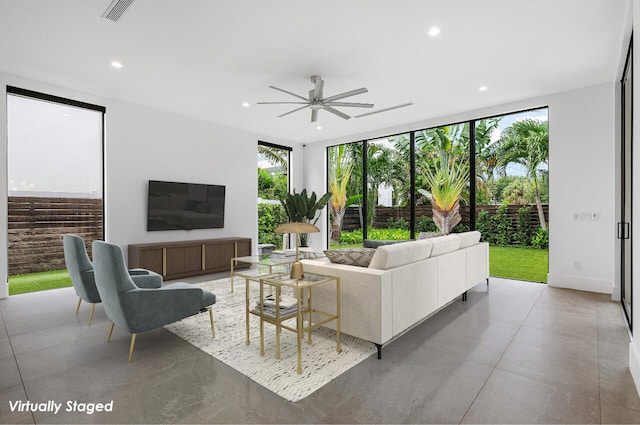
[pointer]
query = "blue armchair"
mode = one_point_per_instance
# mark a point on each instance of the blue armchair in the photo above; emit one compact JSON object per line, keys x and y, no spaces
{"x":82,"y":275}
{"x":137,"y":309}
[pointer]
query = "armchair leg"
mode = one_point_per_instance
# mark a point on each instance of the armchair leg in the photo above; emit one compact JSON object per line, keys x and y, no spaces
{"x":110,"y":332}
{"x":93,"y":307}
{"x":78,"y":307}
{"x":213,"y":329}
{"x":133,"y":344}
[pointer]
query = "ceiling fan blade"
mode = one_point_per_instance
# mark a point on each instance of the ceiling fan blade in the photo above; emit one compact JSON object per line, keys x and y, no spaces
{"x":345,"y":94}
{"x":314,"y":115}
{"x":350,"y":104}
{"x":281,"y":103}
{"x":295,"y":110}
{"x":391,"y":108}
{"x":288,"y":92}
{"x":336,"y":112}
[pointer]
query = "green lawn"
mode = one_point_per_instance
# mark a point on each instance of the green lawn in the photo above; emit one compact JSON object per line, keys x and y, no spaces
{"x":519,"y":263}
{"x":33,"y":282}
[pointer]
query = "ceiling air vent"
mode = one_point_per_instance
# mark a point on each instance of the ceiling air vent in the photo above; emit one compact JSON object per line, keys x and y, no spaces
{"x":116,"y":9}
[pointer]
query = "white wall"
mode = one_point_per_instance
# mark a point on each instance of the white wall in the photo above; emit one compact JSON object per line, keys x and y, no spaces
{"x":143,"y":144}
{"x":581,"y":174}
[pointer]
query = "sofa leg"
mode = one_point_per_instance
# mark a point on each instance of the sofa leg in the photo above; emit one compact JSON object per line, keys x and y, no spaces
{"x":464,"y":295}
{"x":379,"y":347}
{"x":487,"y":281}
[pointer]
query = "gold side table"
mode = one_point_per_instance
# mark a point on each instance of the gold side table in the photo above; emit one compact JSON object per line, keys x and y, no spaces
{"x":299,"y":286}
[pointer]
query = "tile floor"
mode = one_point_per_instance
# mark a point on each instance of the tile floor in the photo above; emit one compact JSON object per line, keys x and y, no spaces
{"x":515,"y":352}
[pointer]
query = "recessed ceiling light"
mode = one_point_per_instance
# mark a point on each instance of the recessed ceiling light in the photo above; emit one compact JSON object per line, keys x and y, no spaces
{"x":246,"y":104}
{"x":482,"y":88}
{"x":319,"y":127}
{"x":116,"y":64}
{"x":433,"y":31}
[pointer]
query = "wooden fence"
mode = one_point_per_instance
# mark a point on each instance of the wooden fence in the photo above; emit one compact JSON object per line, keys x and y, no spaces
{"x":36,"y":226}
{"x":382,"y":215}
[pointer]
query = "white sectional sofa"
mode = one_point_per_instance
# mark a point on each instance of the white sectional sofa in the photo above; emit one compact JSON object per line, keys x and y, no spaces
{"x":404,"y":284}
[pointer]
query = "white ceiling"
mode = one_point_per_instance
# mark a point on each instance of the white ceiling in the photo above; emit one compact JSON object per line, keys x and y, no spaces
{"x":204,"y":58}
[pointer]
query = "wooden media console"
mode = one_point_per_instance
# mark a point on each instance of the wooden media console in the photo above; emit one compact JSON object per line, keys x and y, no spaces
{"x":174,"y":260}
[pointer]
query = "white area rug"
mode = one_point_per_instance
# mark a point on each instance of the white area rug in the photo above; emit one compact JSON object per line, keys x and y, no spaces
{"x":320,"y":361}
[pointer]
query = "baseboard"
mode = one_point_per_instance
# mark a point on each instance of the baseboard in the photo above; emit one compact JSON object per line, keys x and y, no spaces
{"x":634,"y":365}
{"x":580,"y":283}
{"x":4,"y":290}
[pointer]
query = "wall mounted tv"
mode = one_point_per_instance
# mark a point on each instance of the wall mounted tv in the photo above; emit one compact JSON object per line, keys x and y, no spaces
{"x":184,"y":206}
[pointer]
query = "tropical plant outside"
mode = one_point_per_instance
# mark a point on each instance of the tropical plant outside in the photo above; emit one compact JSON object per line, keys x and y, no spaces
{"x":446,"y":183}
{"x":270,"y":216}
{"x":341,"y":164}
{"x":526,"y":142}
{"x":273,"y":183}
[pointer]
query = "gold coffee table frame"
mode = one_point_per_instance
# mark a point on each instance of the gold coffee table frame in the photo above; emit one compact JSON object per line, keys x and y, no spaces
{"x":299,"y":286}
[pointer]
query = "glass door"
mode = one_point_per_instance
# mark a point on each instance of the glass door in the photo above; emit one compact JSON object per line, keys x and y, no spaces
{"x":624,"y":225}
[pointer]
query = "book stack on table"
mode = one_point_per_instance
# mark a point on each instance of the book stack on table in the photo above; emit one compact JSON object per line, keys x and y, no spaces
{"x":288,"y":306}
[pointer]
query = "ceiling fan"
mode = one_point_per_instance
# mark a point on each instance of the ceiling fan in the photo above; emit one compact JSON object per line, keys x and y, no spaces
{"x":315,"y":101}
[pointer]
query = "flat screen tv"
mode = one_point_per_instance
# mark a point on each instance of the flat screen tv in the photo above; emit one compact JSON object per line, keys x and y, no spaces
{"x":184,"y":206}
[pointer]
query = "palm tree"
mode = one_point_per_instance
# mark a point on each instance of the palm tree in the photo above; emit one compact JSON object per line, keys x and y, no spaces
{"x":277,"y":157}
{"x":340,"y":168}
{"x":446,"y":176}
{"x":379,"y":171}
{"x":486,"y":160}
{"x":526,"y":142}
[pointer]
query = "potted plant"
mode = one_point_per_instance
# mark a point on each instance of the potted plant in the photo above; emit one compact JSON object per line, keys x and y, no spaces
{"x":304,"y":209}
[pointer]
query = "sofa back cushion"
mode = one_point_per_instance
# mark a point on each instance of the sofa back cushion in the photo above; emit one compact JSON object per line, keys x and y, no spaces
{"x":391,"y":256}
{"x":444,"y":244}
{"x":469,"y":238}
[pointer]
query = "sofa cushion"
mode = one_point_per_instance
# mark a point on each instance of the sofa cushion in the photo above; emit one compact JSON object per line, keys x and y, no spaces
{"x":370,"y":243}
{"x":351,"y":256}
{"x":391,"y":256}
{"x":469,"y":238}
{"x":444,"y":244}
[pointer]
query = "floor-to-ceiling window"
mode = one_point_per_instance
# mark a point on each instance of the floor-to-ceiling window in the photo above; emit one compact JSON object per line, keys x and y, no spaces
{"x":512,"y":192}
{"x":388,"y":188}
{"x":345,"y":169}
{"x":442,"y":189}
{"x":55,"y":176}
{"x":421,"y":184}
{"x":273,"y":184}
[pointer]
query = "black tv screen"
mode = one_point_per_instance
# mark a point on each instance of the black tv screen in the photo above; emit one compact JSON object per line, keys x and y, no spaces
{"x":184,"y":206}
